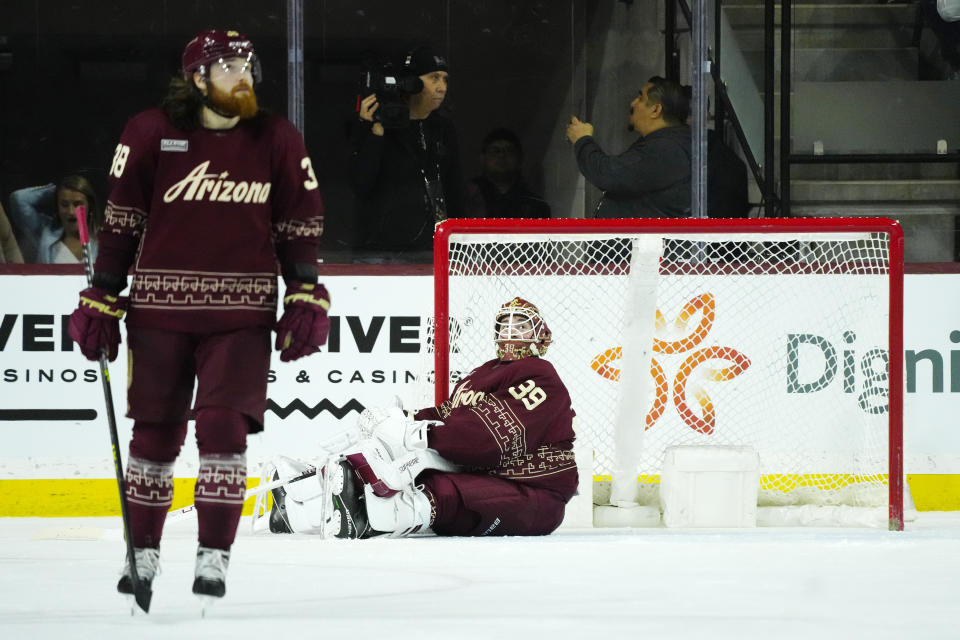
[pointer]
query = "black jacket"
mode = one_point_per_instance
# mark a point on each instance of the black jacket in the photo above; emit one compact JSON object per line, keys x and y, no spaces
{"x":651,"y":179}
{"x":393,"y":207}
{"x":484,"y":200}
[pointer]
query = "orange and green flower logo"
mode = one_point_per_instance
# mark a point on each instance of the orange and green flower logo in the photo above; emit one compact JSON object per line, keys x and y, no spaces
{"x":696,"y":369}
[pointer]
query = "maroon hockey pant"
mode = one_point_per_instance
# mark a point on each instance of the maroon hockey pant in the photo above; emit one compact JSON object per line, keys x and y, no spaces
{"x":231,"y":373}
{"x":474,"y":504}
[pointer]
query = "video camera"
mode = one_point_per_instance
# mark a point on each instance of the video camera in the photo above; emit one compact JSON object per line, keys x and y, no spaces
{"x":392,"y":88}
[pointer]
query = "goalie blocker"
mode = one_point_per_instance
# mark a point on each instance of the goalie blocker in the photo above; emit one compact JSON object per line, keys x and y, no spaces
{"x":494,"y":459}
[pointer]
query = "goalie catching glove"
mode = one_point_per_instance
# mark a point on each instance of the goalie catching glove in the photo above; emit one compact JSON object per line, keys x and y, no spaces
{"x":304,"y":326}
{"x":95,"y":323}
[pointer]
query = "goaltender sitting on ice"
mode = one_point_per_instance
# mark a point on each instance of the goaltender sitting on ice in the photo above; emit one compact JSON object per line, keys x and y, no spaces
{"x":494,"y":459}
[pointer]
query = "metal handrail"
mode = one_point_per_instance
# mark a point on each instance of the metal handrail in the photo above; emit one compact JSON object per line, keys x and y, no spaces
{"x":762,"y":174}
{"x":787,"y":157}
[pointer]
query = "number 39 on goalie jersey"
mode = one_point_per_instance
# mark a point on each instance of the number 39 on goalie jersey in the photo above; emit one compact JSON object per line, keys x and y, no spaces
{"x":513,"y":419}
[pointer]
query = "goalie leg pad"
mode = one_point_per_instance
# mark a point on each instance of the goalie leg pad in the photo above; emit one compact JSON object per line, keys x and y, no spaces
{"x":388,"y":474}
{"x":400,"y":515}
{"x":362,"y":514}
{"x":281,"y":468}
{"x":306,"y":506}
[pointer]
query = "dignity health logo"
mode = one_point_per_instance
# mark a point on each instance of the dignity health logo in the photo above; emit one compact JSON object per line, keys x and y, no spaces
{"x":692,"y":373}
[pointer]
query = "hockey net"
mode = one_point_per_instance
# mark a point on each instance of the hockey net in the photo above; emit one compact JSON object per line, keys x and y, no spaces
{"x":780,"y":335}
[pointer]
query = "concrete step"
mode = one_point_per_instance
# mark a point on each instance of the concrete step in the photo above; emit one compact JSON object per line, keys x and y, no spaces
{"x":906,"y":191}
{"x":841,"y":65}
{"x":881,"y":171}
{"x":834,"y":36}
{"x":848,"y":26}
{"x":826,"y":15}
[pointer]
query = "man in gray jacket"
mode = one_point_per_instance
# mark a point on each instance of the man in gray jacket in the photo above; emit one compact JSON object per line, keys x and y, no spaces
{"x":651,"y":179}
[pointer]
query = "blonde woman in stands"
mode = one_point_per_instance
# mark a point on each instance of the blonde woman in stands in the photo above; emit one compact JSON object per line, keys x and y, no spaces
{"x":45,"y":220}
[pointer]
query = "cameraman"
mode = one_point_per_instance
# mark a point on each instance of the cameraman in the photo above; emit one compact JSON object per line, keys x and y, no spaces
{"x":406,"y":169}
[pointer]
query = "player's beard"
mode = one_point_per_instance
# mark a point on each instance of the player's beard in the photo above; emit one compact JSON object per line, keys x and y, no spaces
{"x":236,"y":102}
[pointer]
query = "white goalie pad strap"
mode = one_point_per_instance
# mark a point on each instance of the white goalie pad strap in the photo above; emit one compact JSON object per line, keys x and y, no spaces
{"x":305,"y":489}
{"x":287,"y":468}
{"x":401,"y":514}
{"x":386,"y":475}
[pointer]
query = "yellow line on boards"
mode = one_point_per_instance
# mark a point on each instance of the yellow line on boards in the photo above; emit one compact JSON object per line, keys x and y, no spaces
{"x":935,"y":491}
{"x":72,"y":498}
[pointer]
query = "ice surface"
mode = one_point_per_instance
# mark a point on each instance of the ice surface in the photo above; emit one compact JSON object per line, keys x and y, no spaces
{"x":642,"y":583}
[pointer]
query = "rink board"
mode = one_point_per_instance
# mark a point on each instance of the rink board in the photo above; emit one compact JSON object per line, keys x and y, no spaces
{"x":63,"y":466}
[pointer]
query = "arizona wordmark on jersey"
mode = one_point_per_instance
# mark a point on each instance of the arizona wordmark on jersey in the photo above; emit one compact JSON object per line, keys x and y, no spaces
{"x":215,"y":187}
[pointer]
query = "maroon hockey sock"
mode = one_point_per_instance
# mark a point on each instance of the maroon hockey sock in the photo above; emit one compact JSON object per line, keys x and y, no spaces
{"x":149,"y":496}
{"x":221,"y":485}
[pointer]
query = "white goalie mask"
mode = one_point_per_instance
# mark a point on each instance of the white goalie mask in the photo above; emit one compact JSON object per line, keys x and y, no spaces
{"x":520,"y":331}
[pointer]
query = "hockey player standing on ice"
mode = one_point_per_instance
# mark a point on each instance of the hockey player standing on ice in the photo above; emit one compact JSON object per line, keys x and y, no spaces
{"x":494,"y":459}
{"x":208,"y":195}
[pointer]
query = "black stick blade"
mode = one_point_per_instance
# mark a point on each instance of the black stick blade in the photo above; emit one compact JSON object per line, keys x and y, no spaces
{"x":142,"y":594}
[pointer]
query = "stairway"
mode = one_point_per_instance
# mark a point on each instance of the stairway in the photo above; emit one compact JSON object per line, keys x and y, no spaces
{"x":856,"y":88}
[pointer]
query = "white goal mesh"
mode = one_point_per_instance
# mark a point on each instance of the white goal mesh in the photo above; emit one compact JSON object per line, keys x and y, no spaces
{"x":772,"y":334}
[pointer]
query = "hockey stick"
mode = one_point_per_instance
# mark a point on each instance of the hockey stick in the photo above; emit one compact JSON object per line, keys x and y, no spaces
{"x":179,"y":514}
{"x":338,"y":442}
{"x":141,"y":592}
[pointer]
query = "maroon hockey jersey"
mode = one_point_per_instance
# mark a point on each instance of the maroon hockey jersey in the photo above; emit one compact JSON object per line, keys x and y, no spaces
{"x":513,"y":419}
{"x":202,"y":215}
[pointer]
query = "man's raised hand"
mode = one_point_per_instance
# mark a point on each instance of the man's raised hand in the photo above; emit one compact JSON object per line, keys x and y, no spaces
{"x":577,"y":129}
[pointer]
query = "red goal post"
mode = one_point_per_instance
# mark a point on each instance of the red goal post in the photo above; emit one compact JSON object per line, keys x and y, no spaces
{"x":806,"y":312}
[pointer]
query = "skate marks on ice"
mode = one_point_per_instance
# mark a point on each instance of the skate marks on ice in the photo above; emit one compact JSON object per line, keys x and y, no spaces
{"x":589,"y":584}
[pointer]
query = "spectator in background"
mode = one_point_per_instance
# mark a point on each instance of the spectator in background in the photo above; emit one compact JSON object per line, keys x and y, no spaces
{"x":651,"y":179}
{"x":499,"y":191}
{"x":45,"y":220}
{"x":407,"y":174}
{"x":9,"y":249}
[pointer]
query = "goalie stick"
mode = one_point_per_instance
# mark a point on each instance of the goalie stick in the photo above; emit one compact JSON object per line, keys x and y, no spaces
{"x":179,"y":514}
{"x":142,"y":593}
{"x":338,"y":442}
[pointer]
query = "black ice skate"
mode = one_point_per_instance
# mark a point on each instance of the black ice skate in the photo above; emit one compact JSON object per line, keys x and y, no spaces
{"x":211,"y":572}
{"x":278,"y":515}
{"x":351,"y":505}
{"x":148,"y":565}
